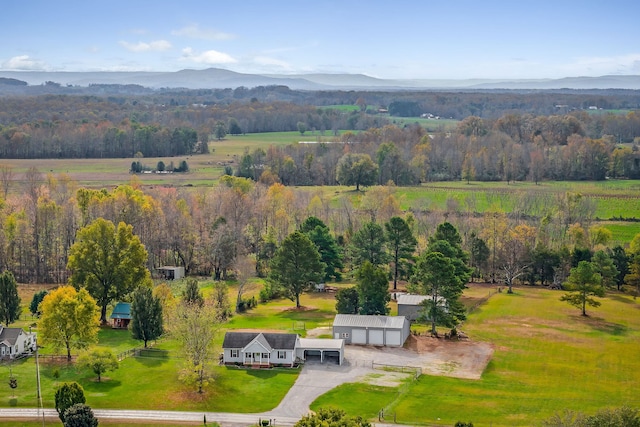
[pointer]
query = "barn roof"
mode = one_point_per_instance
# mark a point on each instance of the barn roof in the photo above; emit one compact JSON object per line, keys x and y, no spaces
{"x":364,"y":321}
{"x":122,"y":310}
{"x":276,"y":341}
{"x":411,"y":299}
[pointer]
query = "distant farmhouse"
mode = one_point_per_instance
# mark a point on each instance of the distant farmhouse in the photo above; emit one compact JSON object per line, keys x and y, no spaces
{"x":15,"y":342}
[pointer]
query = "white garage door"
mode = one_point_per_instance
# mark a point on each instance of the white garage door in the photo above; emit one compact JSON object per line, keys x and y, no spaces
{"x":394,"y":338}
{"x":376,"y":337}
{"x":359,"y":336}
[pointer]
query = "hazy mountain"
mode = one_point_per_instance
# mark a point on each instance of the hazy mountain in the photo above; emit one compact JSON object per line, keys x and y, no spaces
{"x":216,"y":78}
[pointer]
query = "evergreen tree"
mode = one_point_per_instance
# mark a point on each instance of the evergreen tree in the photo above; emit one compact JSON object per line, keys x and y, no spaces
{"x":9,"y":298}
{"x":296,"y":266}
{"x":401,"y":244}
{"x":192,"y":294}
{"x":80,"y":415}
{"x":67,"y":395}
{"x":369,"y":244}
{"x":373,"y":290}
{"x":35,"y":302}
{"x":146,"y":315}
{"x":329,"y":250}
{"x":347,"y":301}
{"x":583,"y":284}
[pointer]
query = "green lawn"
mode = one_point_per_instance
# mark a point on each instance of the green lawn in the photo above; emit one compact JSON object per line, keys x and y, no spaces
{"x":547,"y":358}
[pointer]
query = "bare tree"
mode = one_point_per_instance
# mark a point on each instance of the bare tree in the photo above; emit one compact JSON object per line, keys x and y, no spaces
{"x":6,"y":178}
{"x":245,"y":269}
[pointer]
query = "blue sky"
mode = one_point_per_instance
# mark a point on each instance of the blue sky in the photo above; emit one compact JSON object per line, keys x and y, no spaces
{"x":387,"y":39}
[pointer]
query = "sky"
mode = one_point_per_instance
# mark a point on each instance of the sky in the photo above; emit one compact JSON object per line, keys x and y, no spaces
{"x":393,"y":39}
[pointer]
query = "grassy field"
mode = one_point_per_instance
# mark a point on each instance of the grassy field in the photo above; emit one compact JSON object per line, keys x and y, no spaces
{"x":547,"y":358}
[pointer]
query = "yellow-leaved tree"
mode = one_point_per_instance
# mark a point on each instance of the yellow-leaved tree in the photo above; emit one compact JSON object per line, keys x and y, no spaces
{"x":70,"y":319}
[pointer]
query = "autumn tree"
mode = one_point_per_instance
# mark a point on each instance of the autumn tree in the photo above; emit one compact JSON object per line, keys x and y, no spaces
{"x":583,"y":284}
{"x":296,"y":266}
{"x":99,"y":361}
{"x":373,"y":290}
{"x":146,"y":315}
{"x":401,"y":244}
{"x":195,"y":327}
{"x":69,"y":319}
{"x":109,"y":262}
{"x":9,"y":298}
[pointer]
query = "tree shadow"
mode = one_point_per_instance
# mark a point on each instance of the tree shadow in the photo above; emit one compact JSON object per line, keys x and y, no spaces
{"x":13,"y":402}
{"x":92,"y":385}
{"x":622,"y":298}
{"x":599,"y":324}
{"x":262,"y":373}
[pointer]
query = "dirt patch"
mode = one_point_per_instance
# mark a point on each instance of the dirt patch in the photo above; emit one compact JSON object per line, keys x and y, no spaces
{"x":385,"y":378}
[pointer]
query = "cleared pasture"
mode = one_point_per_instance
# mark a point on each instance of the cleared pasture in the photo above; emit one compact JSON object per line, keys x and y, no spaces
{"x":547,"y":358}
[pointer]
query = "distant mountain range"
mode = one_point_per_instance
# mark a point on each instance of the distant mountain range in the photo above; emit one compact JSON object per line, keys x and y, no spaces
{"x":216,"y":78}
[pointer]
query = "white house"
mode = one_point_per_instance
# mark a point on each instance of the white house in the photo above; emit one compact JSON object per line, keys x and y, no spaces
{"x":15,"y":342}
{"x":263,"y":349}
{"x":372,"y":330}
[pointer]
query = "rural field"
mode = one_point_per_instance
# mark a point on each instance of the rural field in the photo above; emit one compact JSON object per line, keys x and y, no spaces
{"x":546,"y":358}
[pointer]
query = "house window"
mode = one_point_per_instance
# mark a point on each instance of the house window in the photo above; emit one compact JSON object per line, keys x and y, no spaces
{"x":344,"y":335}
{"x":282,"y":354}
{"x":265,"y":355}
{"x":234,"y":353}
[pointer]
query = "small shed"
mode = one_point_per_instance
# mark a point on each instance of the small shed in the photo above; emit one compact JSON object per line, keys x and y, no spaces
{"x":410,"y":306}
{"x":171,"y":273}
{"x":390,"y":331}
{"x":121,"y":315}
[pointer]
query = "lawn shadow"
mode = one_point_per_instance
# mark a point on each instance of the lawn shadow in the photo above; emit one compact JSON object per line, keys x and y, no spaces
{"x":599,"y":324}
{"x":92,"y":385}
{"x":13,"y":402}
{"x":622,"y":298}
{"x":262,"y":373}
{"x":152,"y":358}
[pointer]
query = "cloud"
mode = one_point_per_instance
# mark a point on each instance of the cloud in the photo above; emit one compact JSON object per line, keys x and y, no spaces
{"x":267,"y":61}
{"x":23,"y":63}
{"x":207,"y":57}
{"x":154,"y":46}
{"x":194,"y":31}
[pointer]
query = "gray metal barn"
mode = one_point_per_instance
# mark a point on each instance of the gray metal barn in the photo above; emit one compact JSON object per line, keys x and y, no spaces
{"x":390,"y":331}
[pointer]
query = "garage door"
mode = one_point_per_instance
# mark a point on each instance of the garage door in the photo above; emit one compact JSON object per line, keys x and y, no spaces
{"x":376,"y":337}
{"x":359,"y":336}
{"x":394,"y":338}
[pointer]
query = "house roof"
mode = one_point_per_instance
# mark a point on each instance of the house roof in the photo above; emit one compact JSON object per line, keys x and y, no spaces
{"x":364,"y":321}
{"x":122,"y":310}
{"x":9,"y":336}
{"x":321,"y":343}
{"x":273,"y":340}
{"x":411,"y":299}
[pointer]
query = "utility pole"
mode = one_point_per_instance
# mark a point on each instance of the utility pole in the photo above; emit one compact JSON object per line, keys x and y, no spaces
{"x":39,"y":395}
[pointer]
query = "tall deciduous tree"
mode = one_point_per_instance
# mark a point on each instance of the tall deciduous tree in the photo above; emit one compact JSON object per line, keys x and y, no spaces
{"x":9,"y":298}
{"x":110,"y":262}
{"x":369,"y":244}
{"x":583,"y":284}
{"x":99,"y":361}
{"x":373,"y":290}
{"x":296,"y":266}
{"x":146,"y":315}
{"x":356,"y":169}
{"x":67,"y":395}
{"x":401,"y":244}
{"x":69,"y":319}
